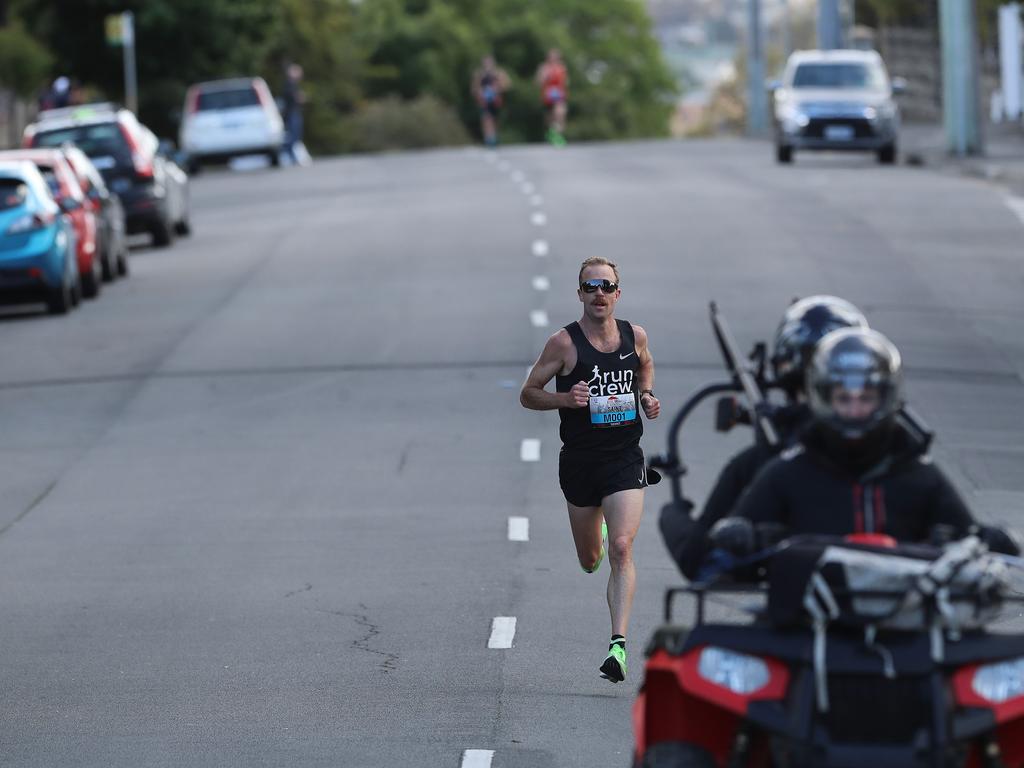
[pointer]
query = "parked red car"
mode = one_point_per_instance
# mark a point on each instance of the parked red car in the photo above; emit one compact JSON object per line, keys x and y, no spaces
{"x":110,"y":218}
{"x":68,"y":193}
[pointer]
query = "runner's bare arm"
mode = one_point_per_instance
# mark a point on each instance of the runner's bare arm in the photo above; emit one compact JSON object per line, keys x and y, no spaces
{"x":558,"y":352}
{"x":645,"y":374}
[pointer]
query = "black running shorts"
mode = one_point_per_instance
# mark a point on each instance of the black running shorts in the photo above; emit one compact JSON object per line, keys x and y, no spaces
{"x":588,"y":478}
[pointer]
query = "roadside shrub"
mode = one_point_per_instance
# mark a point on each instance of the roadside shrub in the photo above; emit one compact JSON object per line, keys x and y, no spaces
{"x":391,"y":123}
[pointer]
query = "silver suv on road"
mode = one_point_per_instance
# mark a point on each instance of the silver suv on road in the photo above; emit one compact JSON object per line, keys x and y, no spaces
{"x":836,"y":100}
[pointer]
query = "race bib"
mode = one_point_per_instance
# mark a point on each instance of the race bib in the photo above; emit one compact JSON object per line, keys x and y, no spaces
{"x":613,"y":410}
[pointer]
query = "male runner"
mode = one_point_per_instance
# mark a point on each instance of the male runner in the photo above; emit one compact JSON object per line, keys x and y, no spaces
{"x":488,"y":87}
{"x":554,"y":92}
{"x":603,"y":370}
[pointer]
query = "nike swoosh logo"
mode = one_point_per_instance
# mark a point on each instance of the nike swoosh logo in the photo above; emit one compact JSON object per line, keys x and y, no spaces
{"x":623,"y":357}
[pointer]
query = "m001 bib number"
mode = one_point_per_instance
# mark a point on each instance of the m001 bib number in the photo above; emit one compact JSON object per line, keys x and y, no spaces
{"x":613,"y":410}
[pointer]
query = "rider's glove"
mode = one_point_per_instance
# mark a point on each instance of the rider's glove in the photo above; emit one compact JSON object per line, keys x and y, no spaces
{"x":735,"y":535}
{"x":999,"y":540}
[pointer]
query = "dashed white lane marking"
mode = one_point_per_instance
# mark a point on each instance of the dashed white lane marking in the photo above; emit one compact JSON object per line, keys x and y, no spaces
{"x":536,"y":200}
{"x":538,"y":219}
{"x":539,"y":318}
{"x":518,"y":177}
{"x":519,"y":529}
{"x":527,"y":188}
{"x":477,"y":758}
{"x":541,"y":283}
{"x":1016,"y":204}
{"x":529,"y":449}
{"x":503,"y":630}
{"x":540,"y":248}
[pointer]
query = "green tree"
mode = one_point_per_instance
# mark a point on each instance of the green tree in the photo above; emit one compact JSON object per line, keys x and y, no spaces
{"x":24,"y":62}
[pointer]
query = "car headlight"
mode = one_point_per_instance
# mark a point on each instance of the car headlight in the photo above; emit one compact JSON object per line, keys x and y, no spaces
{"x":793,"y":119}
{"x":737,"y":672}
{"x":880,"y":112}
{"x":999,"y":682}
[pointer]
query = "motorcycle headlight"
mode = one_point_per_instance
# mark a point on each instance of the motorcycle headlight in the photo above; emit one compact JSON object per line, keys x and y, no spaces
{"x":737,"y":672}
{"x":999,"y":682}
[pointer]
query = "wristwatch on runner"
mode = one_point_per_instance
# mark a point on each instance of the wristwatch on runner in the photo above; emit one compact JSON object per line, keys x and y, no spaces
{"x":646,"y":392}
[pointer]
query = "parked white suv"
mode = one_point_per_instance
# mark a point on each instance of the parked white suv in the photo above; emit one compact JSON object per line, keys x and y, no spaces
{"x":229,"y":118}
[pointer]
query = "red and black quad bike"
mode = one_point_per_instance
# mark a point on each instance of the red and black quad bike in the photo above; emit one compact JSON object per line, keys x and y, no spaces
{"x":860,"y":655}
{"x":857,"y":653}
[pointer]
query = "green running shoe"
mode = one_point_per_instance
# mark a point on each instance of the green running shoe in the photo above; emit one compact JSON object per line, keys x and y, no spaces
{"x":614,"y":667}
{"x":604,"y":546}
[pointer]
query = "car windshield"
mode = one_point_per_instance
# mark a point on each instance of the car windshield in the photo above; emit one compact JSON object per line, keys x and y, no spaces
{"x":13,"y":193}
{"x":838,"y":75}
{"x":233,"y":99}
{"x":50,"y":177}
{"x":98,"y":140}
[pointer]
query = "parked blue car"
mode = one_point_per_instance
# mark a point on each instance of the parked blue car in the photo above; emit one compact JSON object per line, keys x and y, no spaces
{"x":37,"y":242}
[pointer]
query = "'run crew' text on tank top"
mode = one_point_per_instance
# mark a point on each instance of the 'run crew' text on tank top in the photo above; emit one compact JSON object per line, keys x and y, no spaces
{"x":611,"y":422}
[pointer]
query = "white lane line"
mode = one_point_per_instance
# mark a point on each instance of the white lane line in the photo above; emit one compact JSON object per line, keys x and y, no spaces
{"x":503,"y":630}
{"x":538,"y":219}
{"x":529,"y":449}
{"x":1016,"y":205}
{"x":541,"y":283}
{"x":540,"y":248}
{"x":536,"y":201}
{"x":519,"y":529}
{"x":518,"y":177}
{"x":539,"y":318}
{"x":477,"y":758}
{"x":527,"y":188}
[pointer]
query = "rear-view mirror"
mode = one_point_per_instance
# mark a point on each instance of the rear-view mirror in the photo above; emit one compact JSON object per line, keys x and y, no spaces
{"x":899,"y":85}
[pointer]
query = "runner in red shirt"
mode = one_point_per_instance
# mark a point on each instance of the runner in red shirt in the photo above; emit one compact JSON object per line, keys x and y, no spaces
{"x":554,"y":86}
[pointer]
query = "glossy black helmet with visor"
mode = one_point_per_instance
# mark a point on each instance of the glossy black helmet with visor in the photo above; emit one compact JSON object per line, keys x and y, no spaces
{"x":805,"y":322}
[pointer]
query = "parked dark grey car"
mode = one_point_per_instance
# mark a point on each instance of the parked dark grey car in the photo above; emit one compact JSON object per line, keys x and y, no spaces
{"x":836,"y":100}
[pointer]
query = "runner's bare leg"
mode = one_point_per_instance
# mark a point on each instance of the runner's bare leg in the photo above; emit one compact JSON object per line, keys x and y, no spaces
{"x":585,"y":523}
{"x":622,"y":511}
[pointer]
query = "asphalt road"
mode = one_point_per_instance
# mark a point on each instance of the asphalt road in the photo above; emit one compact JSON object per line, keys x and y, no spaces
{"x":255,"y":499}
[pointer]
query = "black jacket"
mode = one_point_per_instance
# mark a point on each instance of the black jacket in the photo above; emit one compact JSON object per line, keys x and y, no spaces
{"x":904,"y":494}
{"x":686,"y":539}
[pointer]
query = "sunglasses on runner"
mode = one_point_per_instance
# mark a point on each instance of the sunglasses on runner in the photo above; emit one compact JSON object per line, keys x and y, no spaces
{"x":589,"y":286}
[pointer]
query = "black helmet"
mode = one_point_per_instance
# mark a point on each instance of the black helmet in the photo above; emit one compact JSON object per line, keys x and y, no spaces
{"x":803,"y":324}
{"x":847,"y":362}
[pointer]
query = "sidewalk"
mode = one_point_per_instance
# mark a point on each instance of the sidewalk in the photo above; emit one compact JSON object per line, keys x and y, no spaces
{"x":1002,"y":161}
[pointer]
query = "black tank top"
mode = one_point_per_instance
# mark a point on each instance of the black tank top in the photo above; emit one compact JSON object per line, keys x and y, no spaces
{"x":612,"y":421}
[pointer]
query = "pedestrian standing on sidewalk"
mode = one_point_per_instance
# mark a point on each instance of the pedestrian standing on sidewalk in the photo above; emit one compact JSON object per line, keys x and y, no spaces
{"x":294,"y":100}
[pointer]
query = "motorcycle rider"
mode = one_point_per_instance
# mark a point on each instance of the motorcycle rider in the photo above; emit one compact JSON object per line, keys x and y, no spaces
{"x":857,"y":469}
{"x":802,"y":325}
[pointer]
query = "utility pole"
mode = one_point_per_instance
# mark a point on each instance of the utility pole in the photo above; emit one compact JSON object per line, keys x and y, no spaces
{"x":1009,"y":59}
{"x":830,"y":26}
{"x":960,"y":108}
{"x":787,"y":31}
{"x":131,"y":88}
{"x":757,"y":100}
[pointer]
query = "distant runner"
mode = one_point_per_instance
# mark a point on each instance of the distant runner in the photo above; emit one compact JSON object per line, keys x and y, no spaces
{"x":488,"y":87}
{"x":554,"y":89}
{"x":604,"y":375}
